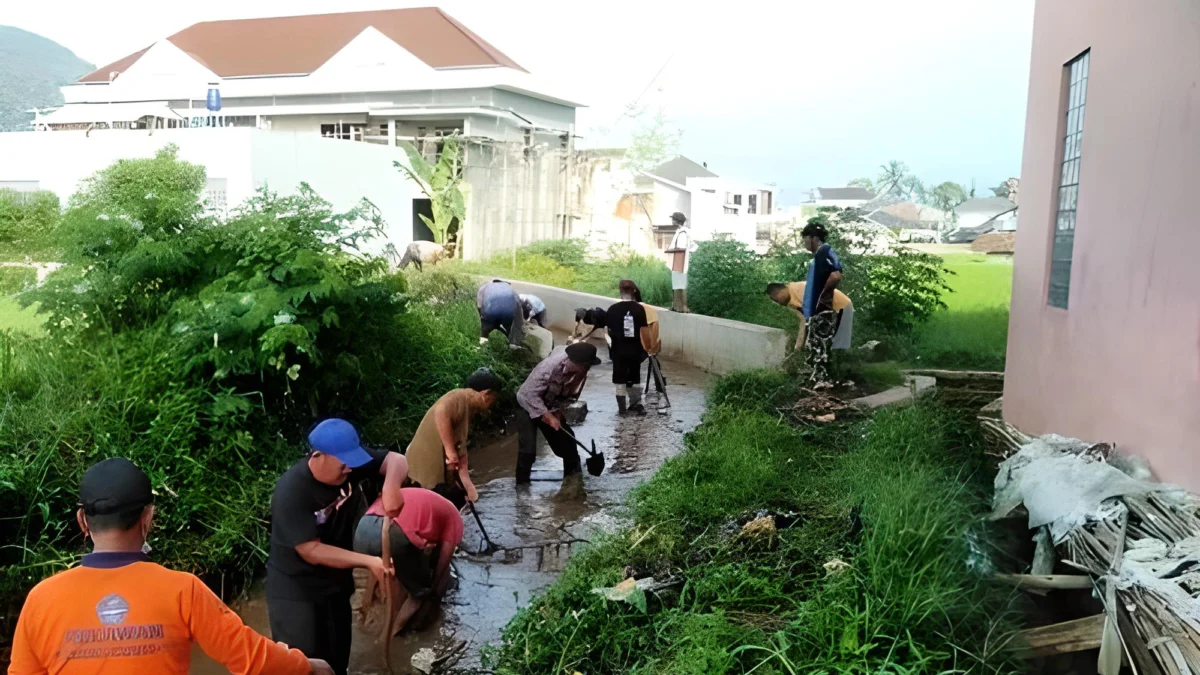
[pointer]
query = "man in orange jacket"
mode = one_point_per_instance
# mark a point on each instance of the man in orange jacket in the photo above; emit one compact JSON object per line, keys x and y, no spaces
{"x":119,"y":613}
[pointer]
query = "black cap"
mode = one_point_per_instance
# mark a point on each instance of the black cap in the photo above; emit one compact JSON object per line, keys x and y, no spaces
{"x":115,"y":485}
{"x":583,"y":353}
{"x":484,"y":380}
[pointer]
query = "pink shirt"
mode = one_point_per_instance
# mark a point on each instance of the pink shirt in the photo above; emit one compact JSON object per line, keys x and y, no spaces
{"x":427,"y":518}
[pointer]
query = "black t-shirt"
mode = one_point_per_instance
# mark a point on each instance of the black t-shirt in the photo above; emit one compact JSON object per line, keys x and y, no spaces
{"x":303,"y":509}
{"x":626,"y":335}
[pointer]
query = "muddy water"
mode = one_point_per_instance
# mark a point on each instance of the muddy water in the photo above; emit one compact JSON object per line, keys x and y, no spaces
{"x":537,"y":526}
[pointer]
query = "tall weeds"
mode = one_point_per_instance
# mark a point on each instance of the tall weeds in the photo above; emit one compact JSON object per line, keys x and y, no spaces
{"x":894,"y":498}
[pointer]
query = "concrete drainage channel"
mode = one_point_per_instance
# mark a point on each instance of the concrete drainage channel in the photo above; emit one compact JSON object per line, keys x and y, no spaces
{"x":537,"y":527}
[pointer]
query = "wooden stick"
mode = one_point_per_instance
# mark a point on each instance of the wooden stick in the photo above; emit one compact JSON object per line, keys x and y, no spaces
{"x":1052,"y":582}
{"x":1063,"y":638}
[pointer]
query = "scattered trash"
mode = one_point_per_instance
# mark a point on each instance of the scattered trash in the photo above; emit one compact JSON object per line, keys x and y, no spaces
{"x":835,"y":567}
{"x":825,"y":419}
{"x":422,"y":661}
{"x":759,"y":528}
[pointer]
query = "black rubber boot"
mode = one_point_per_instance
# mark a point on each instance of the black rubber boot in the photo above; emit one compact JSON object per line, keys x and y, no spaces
{"x":524,"y":467}
{"x":621,"y":405}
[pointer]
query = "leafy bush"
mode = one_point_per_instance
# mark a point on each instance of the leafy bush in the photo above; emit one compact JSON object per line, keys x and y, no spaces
{"x":26,"y":221}
{"x":650,"y":274}
{"x":16,"y":279}
{"x":201,"y":350}
{"x":566,"y":252}
{"x":724,"y":278}
{"x":892,"y":293}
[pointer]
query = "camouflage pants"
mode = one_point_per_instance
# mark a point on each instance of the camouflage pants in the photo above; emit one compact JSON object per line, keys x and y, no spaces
{"x":818,"y":345}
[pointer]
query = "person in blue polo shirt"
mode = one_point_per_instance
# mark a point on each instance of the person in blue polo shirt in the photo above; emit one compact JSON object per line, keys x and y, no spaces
{"x":499,"y":308}
{"x":824,"y":275}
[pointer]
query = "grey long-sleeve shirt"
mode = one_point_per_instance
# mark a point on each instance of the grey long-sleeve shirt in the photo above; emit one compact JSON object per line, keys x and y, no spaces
{"x":550,"y":386}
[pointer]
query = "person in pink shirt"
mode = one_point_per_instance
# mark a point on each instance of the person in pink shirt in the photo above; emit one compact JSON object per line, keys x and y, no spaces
{"x":422,"y":541}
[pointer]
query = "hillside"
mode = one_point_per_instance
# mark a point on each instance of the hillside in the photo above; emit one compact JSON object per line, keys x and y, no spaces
{"x":32,"y":68}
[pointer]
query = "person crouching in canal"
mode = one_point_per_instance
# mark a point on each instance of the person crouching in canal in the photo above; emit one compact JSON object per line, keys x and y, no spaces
{"x":120,"y":613}
{"x":422,"y":540}
{"x":437,"y":455}
{"x":310,"y":567}
{"x":555,"y":382}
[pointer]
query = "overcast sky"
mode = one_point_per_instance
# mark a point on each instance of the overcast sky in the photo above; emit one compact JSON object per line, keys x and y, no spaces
{"x":797,"y":93}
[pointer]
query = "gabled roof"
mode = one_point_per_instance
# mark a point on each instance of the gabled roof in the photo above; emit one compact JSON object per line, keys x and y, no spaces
{"x":298,"y":45}
{"x":966,"y":235}
{"x":680,"y":169}
{"x":845,"y":193}
{"x":989,"y":205}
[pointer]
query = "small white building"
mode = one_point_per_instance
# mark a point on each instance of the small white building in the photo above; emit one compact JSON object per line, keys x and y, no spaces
{"x":840,"y":197}
{"x":268,"y":101}
{"x":715,"y":206}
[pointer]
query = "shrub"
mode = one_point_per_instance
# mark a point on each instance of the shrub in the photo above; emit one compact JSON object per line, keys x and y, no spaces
{"x":202,"y":350}
{"x":893,"y":292}
{"x":16,"y":279}
{"x":650,"y":274}
{"x":566,"y":252}
{"x":724,"y":278}
{"x":26,"y":221}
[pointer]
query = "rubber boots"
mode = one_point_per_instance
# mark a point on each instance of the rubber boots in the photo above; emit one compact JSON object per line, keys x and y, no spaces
{"x":621,"y":409}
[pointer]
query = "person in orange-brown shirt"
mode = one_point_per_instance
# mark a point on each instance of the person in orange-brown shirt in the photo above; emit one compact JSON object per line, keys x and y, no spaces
{"x":119,"y":613}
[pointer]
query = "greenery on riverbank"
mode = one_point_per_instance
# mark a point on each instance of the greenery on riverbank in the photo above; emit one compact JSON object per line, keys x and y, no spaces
{"x":948,"y":311}
{"x":202,"y":350}
{"x":896,"y":498}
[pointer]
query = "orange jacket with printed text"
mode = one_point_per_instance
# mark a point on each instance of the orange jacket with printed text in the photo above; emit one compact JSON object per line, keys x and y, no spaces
{"x":120,"y":613}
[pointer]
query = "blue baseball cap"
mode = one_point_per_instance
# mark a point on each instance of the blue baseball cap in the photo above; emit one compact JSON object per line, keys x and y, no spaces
{"x":338,"y":437}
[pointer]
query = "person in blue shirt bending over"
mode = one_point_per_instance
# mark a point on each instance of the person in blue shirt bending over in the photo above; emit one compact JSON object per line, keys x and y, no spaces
{"x":500,"y":309}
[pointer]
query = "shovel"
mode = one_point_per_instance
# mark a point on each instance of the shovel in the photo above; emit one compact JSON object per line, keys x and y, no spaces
{"x":595,"y":460}
{"x":654,"y":371}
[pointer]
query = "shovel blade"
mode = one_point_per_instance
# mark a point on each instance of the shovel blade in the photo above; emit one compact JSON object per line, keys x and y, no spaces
{"x":595,"y":464}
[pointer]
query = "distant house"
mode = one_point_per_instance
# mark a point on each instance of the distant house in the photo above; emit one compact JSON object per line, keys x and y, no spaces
{"x":1104,"y":330}
{"x":714,"y":205}
{"x":977,"y":217}
{"x":977,"y":211}
{"x":841,"y":197}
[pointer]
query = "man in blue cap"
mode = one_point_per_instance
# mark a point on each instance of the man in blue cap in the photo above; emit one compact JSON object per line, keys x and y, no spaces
{"x":311,"y":562}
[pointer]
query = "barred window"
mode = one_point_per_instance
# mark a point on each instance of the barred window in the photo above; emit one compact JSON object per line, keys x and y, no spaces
{"x":1063,"y":249}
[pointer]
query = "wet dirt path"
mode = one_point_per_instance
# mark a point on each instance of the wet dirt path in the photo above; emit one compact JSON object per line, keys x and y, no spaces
{"x":538,"y":525}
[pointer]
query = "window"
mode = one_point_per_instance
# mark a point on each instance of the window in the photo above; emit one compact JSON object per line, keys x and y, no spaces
{"x":752,"y":207}
{"x":1063,"y":248}
{"x":343,"y":130}
{"x":737,"y":199}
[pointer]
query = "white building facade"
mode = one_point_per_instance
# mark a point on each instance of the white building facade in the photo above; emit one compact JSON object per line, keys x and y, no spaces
{"x":325,"y":100}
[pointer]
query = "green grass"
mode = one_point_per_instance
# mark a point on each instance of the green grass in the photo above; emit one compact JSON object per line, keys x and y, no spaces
{"x":14,"y":317}
{"x":972,"y":332}
{"x":897,"y":498}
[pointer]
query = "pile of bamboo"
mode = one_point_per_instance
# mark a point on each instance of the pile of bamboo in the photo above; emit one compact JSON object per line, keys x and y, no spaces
{"x":1146,"y":554}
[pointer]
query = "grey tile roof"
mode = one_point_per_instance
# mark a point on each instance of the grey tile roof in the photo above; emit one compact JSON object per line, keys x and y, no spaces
{"x":680,"y":169}
{"x":845,"y":193}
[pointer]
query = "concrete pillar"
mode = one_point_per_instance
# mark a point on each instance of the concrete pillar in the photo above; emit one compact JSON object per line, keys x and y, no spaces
{"x":392,"y":132}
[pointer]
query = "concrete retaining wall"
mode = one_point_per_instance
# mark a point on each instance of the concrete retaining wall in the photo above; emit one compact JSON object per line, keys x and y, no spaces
{"x":716,"y":345}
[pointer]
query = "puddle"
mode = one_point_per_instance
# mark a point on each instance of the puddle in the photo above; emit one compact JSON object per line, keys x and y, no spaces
{"x":538,"y":525}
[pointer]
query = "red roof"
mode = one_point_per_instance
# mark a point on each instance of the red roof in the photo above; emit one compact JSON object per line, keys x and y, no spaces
{"x":298,"y":45}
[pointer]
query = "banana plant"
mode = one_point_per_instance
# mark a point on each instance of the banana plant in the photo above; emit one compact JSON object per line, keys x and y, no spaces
{"x":440,"y":183}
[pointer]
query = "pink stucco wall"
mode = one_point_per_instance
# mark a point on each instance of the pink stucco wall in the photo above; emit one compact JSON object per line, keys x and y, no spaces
{"x":1123,"y":362}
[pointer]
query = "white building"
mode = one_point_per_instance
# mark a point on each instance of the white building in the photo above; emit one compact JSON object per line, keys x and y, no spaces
{"x":840,"y":197}
{"x":715,"y":206}
{"x":294,"y":91}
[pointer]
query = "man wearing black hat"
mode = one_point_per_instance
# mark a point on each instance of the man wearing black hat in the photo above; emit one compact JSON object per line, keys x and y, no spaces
{"x":553,"y":384}
{"x":120,"y":613}
{"x":313,"y":513}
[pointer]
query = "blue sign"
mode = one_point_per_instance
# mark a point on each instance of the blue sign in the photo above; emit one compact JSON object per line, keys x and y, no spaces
{"x":213,"y":102}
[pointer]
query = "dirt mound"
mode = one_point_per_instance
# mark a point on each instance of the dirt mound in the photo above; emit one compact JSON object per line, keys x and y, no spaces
{"x":995,"y":242}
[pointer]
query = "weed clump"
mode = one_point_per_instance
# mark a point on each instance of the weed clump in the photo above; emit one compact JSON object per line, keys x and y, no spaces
{"x":866,"y":571}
